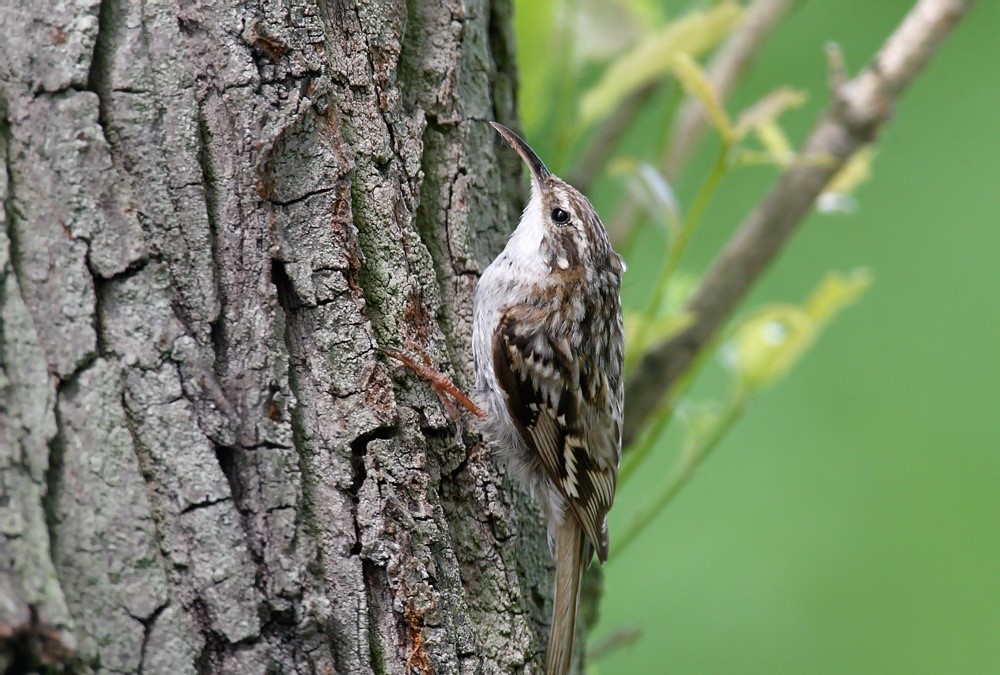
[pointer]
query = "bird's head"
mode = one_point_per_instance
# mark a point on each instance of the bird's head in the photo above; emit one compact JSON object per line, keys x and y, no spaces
{"x":569,"y":231}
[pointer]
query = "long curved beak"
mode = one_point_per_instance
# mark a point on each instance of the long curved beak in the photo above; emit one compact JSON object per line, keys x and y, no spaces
{"x":538,"y":171}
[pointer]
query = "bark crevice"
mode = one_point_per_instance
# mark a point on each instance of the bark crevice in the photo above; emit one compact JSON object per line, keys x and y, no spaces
{"x":148,"y":623}
{"x":97,"y":75}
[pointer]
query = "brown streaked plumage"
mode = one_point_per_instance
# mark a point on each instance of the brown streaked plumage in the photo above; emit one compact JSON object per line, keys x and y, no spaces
{"x":548,"y":344}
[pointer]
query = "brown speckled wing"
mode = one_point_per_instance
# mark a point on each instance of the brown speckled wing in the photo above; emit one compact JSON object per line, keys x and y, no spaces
{"x":563,"y":407}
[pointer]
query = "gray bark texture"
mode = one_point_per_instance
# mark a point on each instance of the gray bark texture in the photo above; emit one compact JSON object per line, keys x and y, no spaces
{"x":215,"y":214}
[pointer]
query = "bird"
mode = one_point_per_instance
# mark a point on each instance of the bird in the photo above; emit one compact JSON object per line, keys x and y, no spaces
{"x":548,"y":350}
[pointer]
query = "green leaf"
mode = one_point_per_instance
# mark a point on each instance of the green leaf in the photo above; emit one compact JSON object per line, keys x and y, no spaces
{"x":836,"y":292}
{"x":836,"y":197}
{"x":696,"y":83}
{"x":769,"y":109}
{"x":769,"y":342}
{"x":775,"y":143}
{"x":654,"y":56}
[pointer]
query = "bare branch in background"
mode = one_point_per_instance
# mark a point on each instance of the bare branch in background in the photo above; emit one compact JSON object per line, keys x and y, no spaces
{"x":858,"y":110}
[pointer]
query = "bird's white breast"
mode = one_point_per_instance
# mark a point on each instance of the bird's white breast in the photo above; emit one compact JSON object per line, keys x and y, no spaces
{"x":507,"y":281}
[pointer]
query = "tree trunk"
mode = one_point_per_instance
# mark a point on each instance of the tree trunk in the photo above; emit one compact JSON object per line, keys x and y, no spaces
{"x":215,"y":215}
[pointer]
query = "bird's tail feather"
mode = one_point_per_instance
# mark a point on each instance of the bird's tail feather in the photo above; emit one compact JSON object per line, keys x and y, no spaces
{"x":569,"y":569}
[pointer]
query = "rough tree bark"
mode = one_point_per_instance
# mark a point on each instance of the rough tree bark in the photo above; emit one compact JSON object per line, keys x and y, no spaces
{"x":215,"y":215}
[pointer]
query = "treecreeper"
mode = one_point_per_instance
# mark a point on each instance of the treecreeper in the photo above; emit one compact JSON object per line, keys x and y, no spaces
{"x":548,"y":346}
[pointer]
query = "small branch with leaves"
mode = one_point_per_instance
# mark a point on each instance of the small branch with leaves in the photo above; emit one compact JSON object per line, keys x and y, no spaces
{"x":858,"y":110}
{"x":690,"y":122}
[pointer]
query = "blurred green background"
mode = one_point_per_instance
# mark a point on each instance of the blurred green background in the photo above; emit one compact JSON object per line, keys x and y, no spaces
{"x":850,"y":523}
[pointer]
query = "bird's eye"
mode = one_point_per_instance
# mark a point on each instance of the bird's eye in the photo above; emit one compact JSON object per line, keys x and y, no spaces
{"x":560,"y":216}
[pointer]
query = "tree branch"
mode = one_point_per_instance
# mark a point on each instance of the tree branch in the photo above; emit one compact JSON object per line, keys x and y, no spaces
{"x":857,"y":111}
